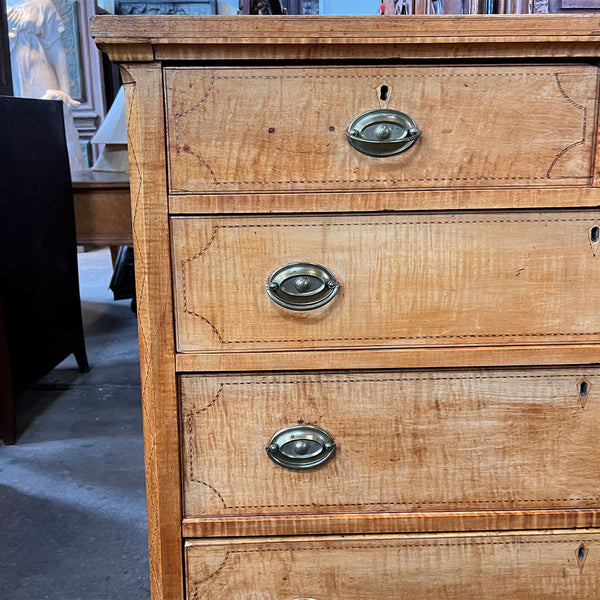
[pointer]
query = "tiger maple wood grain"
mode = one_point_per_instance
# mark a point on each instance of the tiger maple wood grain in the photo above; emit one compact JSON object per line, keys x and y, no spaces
{"x":391,"y":358}
{"x":154,"y":313}
{"x":388,"y":522}
{"x":284,"y":129}
{"x":377,"y":201}
{"x":405,"y":280}
{"x":426,"y":290}
{"x":190,"y":37}
{"x":494,"y":567}
{"x":406,"y":442}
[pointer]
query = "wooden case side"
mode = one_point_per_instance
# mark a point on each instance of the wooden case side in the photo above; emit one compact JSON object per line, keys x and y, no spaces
{"x":144,"y":109}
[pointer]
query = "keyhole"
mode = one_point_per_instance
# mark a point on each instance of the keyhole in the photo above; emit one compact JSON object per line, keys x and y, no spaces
{"x":383,"y":95}
{"x":581,"y":554}
{"x":584,"y":389}
{"x":595,"y":234}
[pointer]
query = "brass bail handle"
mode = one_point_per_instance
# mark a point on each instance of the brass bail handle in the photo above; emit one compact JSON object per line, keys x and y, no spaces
{"x":300,"y":447}
{"x":302,"y":286}
{"x":382,"y":132}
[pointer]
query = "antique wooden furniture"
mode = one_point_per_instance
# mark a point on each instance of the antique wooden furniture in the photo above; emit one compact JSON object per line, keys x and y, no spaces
{"x":367,"y":259}
{"x":102,"y":209}
{"x":39,"y":282}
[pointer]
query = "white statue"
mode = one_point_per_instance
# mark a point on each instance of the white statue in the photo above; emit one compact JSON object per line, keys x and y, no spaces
{"x":39,"y":62}
{"x":76,"y":160}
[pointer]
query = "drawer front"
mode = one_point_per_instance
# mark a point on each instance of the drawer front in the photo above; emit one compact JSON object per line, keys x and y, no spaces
{"x":500,"y":567}
{"x":496,"y":278}
{"x":270,"y":129}
{"x":405,"y":442}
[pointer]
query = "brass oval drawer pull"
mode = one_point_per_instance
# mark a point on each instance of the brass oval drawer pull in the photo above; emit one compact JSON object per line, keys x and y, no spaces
{"x":300,"y":447}
{"x":302,"y":286}
{"x":382,"y":132}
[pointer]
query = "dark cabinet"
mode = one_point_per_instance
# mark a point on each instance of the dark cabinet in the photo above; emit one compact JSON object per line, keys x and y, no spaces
{"x":39,"y":284}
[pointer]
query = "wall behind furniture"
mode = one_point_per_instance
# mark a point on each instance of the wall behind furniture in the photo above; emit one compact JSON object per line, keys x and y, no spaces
{"x":85,"y":72}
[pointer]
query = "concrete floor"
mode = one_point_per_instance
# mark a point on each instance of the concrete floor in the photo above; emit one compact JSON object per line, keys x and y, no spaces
{"x":72,"y":503}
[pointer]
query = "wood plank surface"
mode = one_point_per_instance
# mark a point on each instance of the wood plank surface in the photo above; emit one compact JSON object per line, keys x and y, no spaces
{"x":397,"y":200}
{"x":391,"y":358}
{"x":409,"y":280}
{"x":549,"y":565}
{"x":499,"y":271}
{"x":405,"y":442}
{"x":285,"y":129}
{"x":193,"y":29}
{"x":102,"y":213}
{"x":155,"y":327}
{"x":302,"y":37}
{"x":386,"y":522}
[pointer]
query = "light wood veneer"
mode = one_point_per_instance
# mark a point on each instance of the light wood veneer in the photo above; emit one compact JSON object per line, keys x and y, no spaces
{"x":270,"y":129}
{"x":456,"y":369}
{"x":552,"y":566}
{"x":406,"y":442}
{"x":425,"y":279}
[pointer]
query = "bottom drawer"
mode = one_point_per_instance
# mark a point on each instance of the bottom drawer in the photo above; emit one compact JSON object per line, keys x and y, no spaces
{"x":547,"y":565}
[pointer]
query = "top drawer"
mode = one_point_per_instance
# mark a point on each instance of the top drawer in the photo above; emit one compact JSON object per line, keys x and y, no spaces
{"x":277,"y":130}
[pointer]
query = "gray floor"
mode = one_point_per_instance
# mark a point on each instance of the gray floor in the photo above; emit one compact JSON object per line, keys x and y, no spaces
{"x":72,"y":505}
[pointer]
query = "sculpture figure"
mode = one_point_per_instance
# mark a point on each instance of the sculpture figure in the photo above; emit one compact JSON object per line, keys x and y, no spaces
{"x":39,"y":61}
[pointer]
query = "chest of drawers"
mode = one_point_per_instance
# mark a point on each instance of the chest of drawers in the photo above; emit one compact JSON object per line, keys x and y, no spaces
{"x":367,"y":267}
